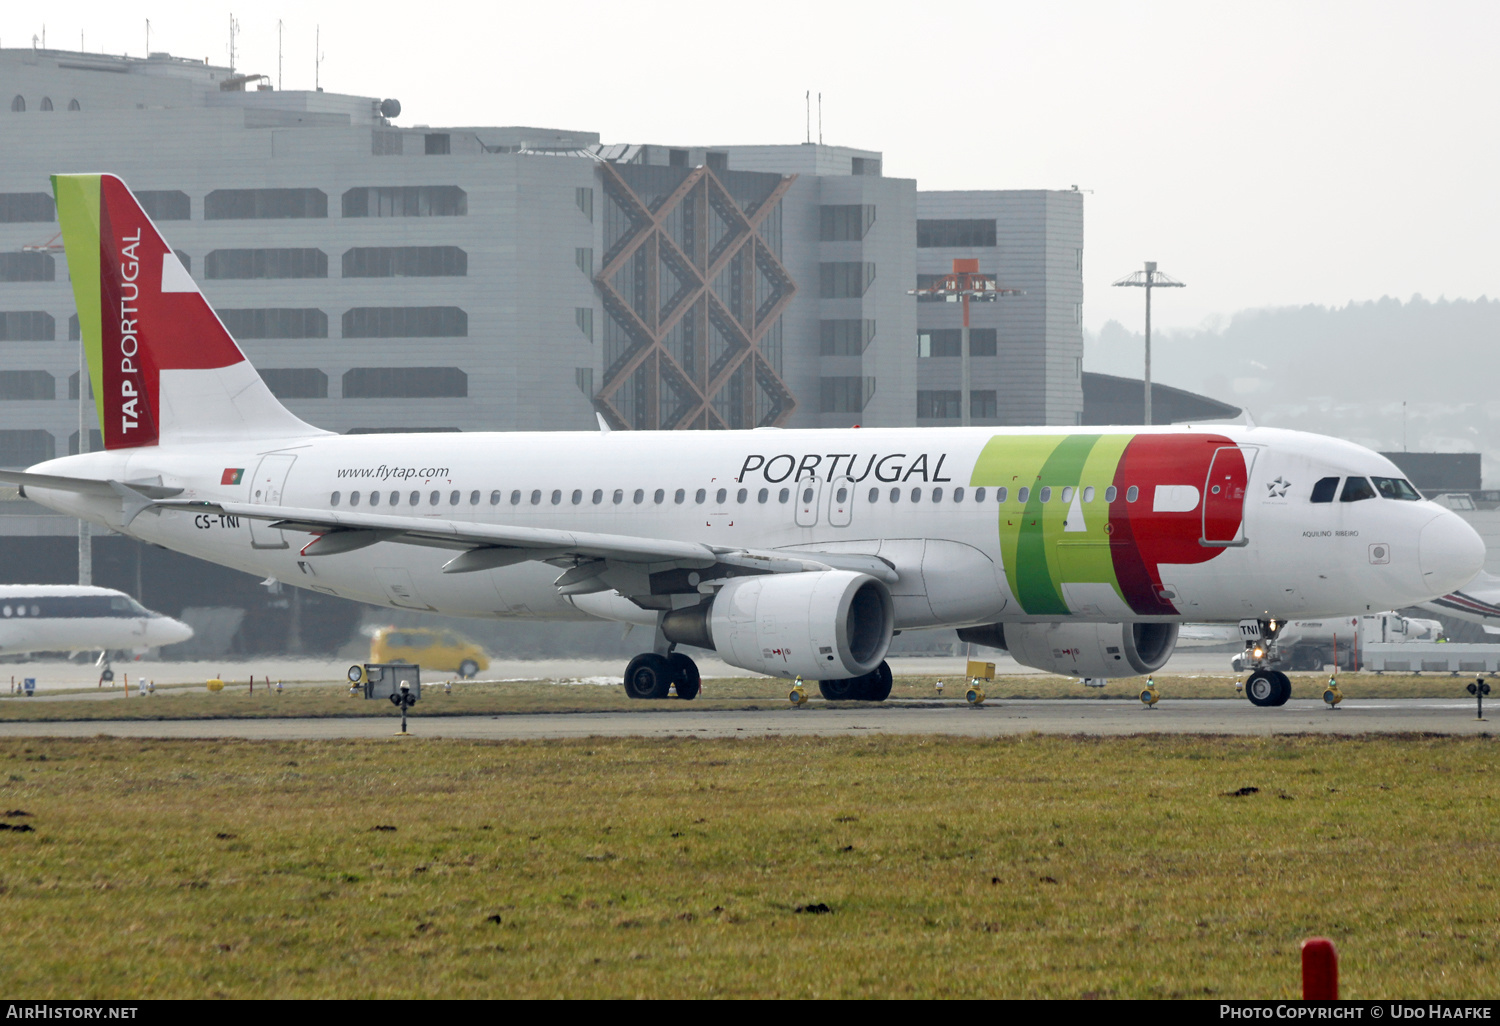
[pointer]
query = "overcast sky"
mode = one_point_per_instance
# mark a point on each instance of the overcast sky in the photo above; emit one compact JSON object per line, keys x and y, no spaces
{"x":1265,"y":153}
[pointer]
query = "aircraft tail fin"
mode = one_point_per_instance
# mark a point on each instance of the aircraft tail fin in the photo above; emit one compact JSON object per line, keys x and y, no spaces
{"x":163,"y":366}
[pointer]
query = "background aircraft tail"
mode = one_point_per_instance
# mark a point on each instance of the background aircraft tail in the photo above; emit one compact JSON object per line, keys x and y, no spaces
{"x":163,"y":366}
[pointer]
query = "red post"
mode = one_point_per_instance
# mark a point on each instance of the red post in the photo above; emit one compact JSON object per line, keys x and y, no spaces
{"x":1320,"y":970}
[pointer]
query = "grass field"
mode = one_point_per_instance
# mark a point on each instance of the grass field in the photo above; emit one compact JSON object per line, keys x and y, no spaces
{"x":471,"y":698}
{"x":880,"y":866}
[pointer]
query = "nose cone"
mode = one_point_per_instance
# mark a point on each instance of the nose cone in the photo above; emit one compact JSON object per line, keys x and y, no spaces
{"x":167,"y":631}
{"x":1450,"y":553}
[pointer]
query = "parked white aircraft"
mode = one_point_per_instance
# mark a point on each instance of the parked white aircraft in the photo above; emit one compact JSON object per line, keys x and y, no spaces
{"x":1478,"y":601}
{"x":795,"y":553}
{"x":78,"y":618}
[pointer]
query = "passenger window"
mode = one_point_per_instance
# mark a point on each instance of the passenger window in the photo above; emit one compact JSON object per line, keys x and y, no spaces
{"x":453,"y":498}
{"x":639,"y":496}
{"x":556,"y":496}
{"x":1023,"y":495}
{"x":1396,"y":488}
{"x":958,"y":495}
{"x":659,"y":497}
{"x":432,"y":499}
{"x":701,"y":495}
{"x":619,"y":496}
{"x":784,"y":495}
{"x":874,"y":495}
{"x":374,"y":498}
{"x":937,"y":495}
{"x":333,"y":500}
{"x":536,"y":496}
{"x":681,"y":494}
{"x":1356,"y":489}
{"x":895,"y":495}
{"x":842,"y":495}
{"x":1001,"y":494}
{"x":1046,"y":493}
{"x":354,"y":498}
{"x":473,"y":498}
{"x":742,"y":495}
{"x":598,"y":496}
{"x":1132,"y":493}
{"x":515,"y":497}
{"x":916,"y":495}
{"x":722,"y":495}
{"x":577,"y":496}
{"x":1110,"y":493}
{"x":1325,"y":489}
{"x":979,"y":495}
{"x":1067,"y":495}
{"x":762,"y":495}
{"x":395,"y":498}
{"x":495,"y":498}
{"x":1088,"y":494}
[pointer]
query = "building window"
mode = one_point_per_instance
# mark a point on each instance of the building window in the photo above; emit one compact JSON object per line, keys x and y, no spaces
{"x":18,"y":207}
{"x":846,"y":394}
{"x":955,"y":233}
{"x":35,"y":384}
{"x":264,"y":204}
{"x":406,"y":262}
{"x":386,"y":144}
{"x":73,"y":386}
{"x":935,"y":342}
{"x":227,"y":264}
{"x":46,"y":103}
{"x":18,"y":105}
{"x":938,"y":404}
{"x":22,"y":448}
{"x":716,"y":161}
{"x":406,"y":201}
{"x":864,"y":166}
{"x":96,"y":442}
{"x":844,"y":280}
{"x":438,"y":144}
{"x":845,"y":222}
{"x":583,"y":377}
{"x":405,"y":383}
{"x":27,"y":267}
{"x":584,"y":197}
{"x":982,"y":405}
{"x":584,"y":317}
{"x":74,"y":331}
{"x":845,"y":337}
{"x":406,"y":322}
{"x":166,"y":204}
{"x":184,"y":259}
{"x":583,"y":256}
{"x":73,"y":105}
{"x":275,"y":323}
{"x":982,"y":342}
{"x":27,"y":326}
{"x":296,"y":382}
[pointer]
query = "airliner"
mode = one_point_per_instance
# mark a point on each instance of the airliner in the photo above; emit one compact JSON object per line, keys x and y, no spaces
{"x":78,"y":618}
{"x":792,"y":553}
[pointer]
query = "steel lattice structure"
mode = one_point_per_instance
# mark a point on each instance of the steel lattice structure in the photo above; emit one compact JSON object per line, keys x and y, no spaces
{"x":693,"y":290}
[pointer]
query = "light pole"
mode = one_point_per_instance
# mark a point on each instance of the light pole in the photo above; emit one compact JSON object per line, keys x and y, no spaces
{"x":962,"y":284}
{"x":1149,"y":279}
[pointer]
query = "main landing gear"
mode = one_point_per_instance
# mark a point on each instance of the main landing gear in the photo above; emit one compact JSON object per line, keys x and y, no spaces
{"x":874,"y":686}
{"x":1268,"y":687}
{"x":650,"y":675}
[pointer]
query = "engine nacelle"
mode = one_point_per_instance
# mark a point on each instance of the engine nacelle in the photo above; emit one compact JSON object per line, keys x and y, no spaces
{"x":1082,"y":649}
{"x":828,"y":625}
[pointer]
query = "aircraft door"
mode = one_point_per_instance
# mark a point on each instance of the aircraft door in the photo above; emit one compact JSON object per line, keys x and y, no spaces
{"x":808,"y":492}
{"x":1224,"y":494}
{"x":266,"y":489}
{"x":841,"y":502}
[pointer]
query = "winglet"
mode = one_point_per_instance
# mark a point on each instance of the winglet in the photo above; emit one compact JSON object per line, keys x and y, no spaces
{"x":604,"y":427}
{"x":1249,"y":420}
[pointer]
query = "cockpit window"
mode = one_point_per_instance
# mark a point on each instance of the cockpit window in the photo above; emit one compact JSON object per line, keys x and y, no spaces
{"x":1357,"y":488}
{"x":1396,"y":488}
{"x":1325,"y":489}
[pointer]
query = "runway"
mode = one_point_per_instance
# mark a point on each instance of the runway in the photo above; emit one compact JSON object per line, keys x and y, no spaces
{"x":994,"y":719}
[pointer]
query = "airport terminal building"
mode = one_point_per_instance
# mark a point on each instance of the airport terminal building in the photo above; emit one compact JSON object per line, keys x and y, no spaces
{"x":393,"y":278}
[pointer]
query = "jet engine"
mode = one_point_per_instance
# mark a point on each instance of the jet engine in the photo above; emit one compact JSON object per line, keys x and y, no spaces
{"x":826,"y":625}
{"x":1082,"y":649}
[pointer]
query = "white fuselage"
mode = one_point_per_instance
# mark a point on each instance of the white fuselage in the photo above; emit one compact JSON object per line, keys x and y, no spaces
{"x":77,"y":618}
{"x":1291,"y":558}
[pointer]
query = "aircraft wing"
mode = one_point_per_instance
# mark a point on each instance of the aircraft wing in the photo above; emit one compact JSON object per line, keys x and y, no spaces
{"x":86,"y":485}
{"x":597,"y":561}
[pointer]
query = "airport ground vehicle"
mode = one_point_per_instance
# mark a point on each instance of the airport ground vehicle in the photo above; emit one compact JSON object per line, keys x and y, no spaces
{"x":791,"y":553}
{"x":432,"y":649}
{"x":1338,"y":640}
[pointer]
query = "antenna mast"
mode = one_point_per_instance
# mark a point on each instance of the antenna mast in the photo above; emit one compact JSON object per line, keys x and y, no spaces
{"x":148,"y":37}
{"x":820,"y":119}
{"x":234,"y":28}
{"x":278,"y":54}
{"x":318,"y":59}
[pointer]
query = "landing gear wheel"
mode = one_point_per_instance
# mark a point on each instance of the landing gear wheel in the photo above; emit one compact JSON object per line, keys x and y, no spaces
{"x":849,"y":689}
{"x":685,"y":675}
{"x":648,"y":676}
{"x":876,"y":684}
{"x":467,"y":669}
{"x":107,"y":675}
{"x":1268,"y":688}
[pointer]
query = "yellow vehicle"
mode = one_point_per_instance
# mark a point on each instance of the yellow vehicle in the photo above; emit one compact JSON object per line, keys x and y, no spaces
{"x":429,"y":648}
